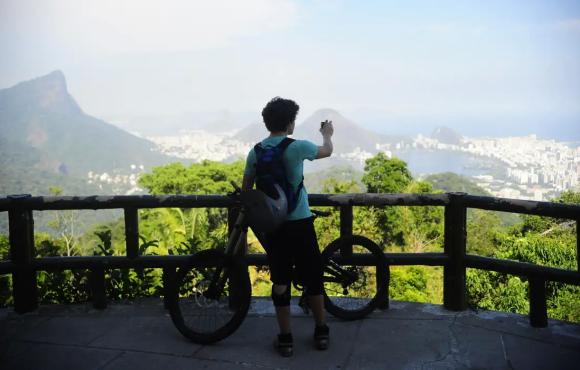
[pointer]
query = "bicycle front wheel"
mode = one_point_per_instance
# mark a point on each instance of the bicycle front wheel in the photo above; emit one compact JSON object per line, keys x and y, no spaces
{"x":204,"y":312}
{"x":353,"y":291}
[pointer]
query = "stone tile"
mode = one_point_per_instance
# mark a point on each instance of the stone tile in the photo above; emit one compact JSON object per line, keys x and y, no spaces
{"x":13,"y":349}
{"x":529,"y":354}
{"x":146,"y":361}
{"x":150,"y":334}
{"x":559,"y":332}
{"x":252,"y":344}
{"x":477,"y":348}
{"x":400,"y":344}
{"x":72,"y":330}
{"x":399,"y":310}
{"x":51,"y":357}
{"x":262,"y":306}
{"x":17,"y":326}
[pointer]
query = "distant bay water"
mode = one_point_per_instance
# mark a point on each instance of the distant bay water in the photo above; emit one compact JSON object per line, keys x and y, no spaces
{"x":432,"y":162}
{"x":419,"y":162}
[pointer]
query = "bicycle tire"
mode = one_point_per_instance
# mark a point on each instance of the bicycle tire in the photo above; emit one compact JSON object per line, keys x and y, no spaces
{"x":382,"y":276}
{"x":238,"y":271}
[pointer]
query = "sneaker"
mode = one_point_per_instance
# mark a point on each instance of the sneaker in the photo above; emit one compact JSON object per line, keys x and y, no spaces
{"x":321,"y":336}
{"x":284,"y":344}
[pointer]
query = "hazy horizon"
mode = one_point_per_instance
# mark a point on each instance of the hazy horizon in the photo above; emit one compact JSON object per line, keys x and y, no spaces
{"x":506,"y":66}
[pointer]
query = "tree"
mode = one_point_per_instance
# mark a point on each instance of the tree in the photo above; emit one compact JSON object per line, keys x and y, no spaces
{"x":207,"y":177}
{"x":384,"y":175}
{"x":65,"y":225}
{"x":482,"y":229}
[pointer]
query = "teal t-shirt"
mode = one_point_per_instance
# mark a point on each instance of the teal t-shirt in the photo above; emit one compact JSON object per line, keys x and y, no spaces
{"x":293,"y":159}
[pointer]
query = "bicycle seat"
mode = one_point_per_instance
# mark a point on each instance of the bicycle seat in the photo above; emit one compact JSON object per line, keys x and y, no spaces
{"x":320,"y":213}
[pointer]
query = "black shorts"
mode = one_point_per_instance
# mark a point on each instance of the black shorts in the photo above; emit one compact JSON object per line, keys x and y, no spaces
{"x":295,"y":243}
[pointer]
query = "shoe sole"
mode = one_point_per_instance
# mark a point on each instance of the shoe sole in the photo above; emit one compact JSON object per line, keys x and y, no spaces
{"x":322,"y":344}
{"x":284,"y":351}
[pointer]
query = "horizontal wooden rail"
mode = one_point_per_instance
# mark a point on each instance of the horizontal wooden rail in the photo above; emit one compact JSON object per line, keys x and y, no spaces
{"x":211,"y":201}
{"x":550,"y":209}
{"x":523,"y":269}
{"x":253,"y":259}
{"x":529,"y":207}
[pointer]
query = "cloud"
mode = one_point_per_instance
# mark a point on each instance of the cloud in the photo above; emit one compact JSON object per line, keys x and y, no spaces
{"x":146,"y":26}
{"x":440,"y":28}
{"x":570,"y":25}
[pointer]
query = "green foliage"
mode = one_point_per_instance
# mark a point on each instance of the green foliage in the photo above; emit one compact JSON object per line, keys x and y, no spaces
{"x":384,"y":175}
{"x":482,"y":229}
{"x":539,"y":240}
{"x":207,"y":177}
{"x":5,"y":280}
{"x":409,"y":283}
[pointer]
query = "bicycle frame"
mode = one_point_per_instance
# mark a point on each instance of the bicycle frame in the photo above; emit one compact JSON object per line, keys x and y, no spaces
{"x":235,"y":242}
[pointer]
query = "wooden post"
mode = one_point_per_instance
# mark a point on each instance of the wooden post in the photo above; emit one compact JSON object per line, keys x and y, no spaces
{"x":538,"y":306}
{"x":454,"y":286}
{"x":21,"y":228}
{"x":132,"y":232}
{"x":98,"y":288}
{"x":346,"y":220}
{"x":168,"y":274}
{"x":385,"y":304}
{"x":233,"y":214}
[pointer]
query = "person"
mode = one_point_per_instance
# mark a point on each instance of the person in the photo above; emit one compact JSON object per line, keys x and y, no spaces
{"x":295,"y":241}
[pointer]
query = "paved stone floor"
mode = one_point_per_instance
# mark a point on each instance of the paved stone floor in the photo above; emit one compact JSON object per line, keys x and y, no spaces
{"x":140,"y":335}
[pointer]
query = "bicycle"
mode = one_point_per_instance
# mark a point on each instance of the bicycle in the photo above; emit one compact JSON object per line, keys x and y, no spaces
{"x":232,"y":290}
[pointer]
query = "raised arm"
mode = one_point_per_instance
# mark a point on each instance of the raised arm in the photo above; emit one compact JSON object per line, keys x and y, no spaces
{"x":325,"y":150}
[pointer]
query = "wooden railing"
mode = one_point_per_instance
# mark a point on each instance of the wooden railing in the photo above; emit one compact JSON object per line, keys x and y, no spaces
{"x":23,"y":264}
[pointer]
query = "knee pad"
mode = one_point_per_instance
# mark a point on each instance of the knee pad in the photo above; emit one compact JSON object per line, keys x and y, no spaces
{"x":281,"y":300}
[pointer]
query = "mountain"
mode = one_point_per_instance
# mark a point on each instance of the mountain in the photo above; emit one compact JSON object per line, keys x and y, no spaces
{"x":42,"y":115}
{"x":252,"y":133}
{"x":347,"y":134}
{"x":446,"y":135}
{"x":26,"y":170}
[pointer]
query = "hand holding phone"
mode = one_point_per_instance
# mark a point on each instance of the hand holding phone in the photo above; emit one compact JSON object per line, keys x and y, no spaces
{"x":326,"y":128}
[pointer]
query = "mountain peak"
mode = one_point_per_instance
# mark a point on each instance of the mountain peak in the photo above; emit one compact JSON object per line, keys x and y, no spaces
{"x":49,"y":92}
{"x":326,"y":113}
{"x":446,"y":135}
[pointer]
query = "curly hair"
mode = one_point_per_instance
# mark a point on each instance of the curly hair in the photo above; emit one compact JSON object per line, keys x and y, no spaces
{"x":279,"y":113}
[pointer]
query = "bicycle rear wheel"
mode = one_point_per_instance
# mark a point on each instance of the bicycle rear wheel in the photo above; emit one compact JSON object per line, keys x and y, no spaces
{"x":353,"y":292}
{"x":194,"y":299}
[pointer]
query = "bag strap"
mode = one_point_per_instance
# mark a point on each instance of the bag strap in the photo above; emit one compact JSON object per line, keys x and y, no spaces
{"x":285,"y":143}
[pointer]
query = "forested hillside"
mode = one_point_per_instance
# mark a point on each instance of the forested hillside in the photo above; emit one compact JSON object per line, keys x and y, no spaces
{"x":452,"y":182}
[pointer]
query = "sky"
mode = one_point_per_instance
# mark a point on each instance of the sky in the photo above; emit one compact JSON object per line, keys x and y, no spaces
{"x":413,"y":59}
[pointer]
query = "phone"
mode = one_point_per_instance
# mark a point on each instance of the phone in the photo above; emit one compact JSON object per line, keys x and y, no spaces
{"x":322,"y":125}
